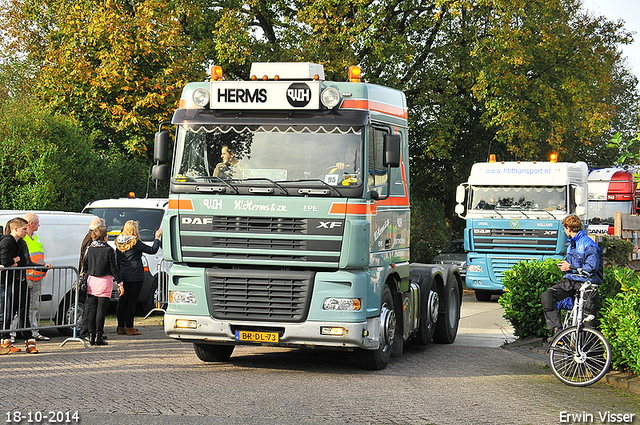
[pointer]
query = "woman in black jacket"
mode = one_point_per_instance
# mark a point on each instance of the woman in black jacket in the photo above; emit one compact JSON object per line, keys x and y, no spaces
{"x":99,"y":263}
{"x":129,"y":255}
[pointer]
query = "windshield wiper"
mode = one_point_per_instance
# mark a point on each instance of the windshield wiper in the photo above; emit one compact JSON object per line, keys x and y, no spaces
{"x":286,"y":192}
{"x":331,"y":188}
{"x":496,"y":211}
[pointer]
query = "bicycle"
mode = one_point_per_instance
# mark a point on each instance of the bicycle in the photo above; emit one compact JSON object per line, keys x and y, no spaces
{"x":579,"y":355}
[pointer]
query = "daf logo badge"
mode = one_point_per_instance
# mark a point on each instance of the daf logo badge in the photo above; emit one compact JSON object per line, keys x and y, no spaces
{"x":514,"y":224}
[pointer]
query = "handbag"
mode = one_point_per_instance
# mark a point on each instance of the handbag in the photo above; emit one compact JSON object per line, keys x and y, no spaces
{"x":82,"y":282}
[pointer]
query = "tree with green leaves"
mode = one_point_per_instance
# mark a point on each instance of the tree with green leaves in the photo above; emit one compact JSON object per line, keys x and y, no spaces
{"x":512,"y":77}
{"x":48,"y":162}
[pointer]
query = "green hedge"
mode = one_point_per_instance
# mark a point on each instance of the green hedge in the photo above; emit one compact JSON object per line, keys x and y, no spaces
{"x":524,"y":282}
{"x":619,"y":312}
{"x":620,"y":321}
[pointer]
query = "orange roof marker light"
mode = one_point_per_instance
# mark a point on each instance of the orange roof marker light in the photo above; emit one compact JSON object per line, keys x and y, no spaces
{"x":216,"y":73}
{"x":132,"y":194}
{"x":492,"y":157}
{"x":354,"y":74}
{"x":553,"y":157}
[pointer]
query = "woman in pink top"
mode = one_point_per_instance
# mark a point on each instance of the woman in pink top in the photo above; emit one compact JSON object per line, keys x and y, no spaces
{"x":99,"y":263}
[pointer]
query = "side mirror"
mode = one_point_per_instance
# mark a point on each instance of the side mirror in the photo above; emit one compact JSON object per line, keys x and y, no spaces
{"x":461,"y":192}
{"x":580,"y":211}
{"x":459,"y":210}
{"x":161,"y":147}
{"x":579,"y":195}
{"x":160,"y":172}
{"x":391,"y":150}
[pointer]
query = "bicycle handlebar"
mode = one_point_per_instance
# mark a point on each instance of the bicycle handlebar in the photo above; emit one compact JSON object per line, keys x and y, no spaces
{"x":580,"y":272}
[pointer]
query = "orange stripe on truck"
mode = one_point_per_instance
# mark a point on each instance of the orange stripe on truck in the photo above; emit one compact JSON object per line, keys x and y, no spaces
{"x":370,"y":105}
{"x":181,"y":204}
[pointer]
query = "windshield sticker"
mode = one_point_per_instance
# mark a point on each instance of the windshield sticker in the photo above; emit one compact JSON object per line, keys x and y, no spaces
{"x":331,"y":179}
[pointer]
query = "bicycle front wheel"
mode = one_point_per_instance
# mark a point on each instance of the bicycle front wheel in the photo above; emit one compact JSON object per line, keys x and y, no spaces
{"x":580,"y":358}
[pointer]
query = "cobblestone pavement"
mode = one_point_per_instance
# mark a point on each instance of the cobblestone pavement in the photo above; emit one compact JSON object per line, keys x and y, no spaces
{"x":151,"y":379}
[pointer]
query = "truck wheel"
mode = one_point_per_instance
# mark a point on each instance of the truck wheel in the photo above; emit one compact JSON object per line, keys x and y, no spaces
{"x":428,"y":324}
{"x":378,"y":359}
{"x":447,"y":324}
{"x":213,"y":353}
{"x":483,"y":295}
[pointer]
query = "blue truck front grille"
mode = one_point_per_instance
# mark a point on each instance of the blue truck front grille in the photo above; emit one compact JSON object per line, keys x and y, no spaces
{"x":541,"y":241}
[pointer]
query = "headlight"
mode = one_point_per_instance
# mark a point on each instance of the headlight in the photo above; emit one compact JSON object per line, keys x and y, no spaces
{"x":200,"y":97}
{"x":474,"y":268}
{"x":186,"y":324}
{"x":182,"y":297}
{"x":342,"y":304}
{"x":330,"y":97}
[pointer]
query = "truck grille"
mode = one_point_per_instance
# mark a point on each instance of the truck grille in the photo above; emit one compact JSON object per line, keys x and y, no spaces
{"x":515,"y":240}
{"x":259,"y":225}
{"x":259,"y":295}
{"x":499,"y":265}
{"x":261,"y":240}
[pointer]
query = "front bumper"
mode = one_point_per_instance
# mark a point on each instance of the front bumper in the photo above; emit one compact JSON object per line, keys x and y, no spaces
{"x":356,"y":335}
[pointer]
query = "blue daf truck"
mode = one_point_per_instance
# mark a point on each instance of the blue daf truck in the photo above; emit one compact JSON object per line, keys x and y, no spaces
{"x":514,"y":212}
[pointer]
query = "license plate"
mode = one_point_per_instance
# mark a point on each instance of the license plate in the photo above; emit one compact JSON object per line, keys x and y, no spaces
{"x":257,"y":336}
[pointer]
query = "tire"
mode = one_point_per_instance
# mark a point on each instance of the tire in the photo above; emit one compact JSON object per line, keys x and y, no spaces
{"x":66,"y":311}
{"x":483,"y":296}
{"x":447,"y":324}
{"x":379,"y":358}
{"x":427,"y":326}
{"x":579,"y":359}
{"x":213,"y":353}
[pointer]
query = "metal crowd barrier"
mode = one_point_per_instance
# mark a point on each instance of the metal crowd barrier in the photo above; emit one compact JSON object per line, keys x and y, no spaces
{"x":162,"y":291}
{"x":50,"y":303}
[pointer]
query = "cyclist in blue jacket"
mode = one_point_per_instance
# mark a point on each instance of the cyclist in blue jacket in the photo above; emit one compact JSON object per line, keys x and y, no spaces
{"x":582,"y":253}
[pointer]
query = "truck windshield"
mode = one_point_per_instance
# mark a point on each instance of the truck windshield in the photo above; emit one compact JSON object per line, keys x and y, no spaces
{"x":149,"y":219}
{"x":604,"y":212}
{"x":518,"y":198}
{"x":332,"y":155}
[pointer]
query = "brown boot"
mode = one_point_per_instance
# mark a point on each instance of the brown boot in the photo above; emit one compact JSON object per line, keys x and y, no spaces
{"x":122,"y":331}
{"x":132,"y":331}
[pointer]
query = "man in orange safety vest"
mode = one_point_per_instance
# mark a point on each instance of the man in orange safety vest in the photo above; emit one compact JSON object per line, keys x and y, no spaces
{"x":34,"y":277}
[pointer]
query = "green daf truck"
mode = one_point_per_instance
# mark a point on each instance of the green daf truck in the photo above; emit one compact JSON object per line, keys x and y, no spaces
{"x":288,"y":220}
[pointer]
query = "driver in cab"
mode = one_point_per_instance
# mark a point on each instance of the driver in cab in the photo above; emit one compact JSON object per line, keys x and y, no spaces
{"x":350,"y":168}
{"x":229,"y":167}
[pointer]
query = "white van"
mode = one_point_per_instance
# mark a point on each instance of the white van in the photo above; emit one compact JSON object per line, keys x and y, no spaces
{"x":61,"y":234}
{"x":149,"y":214}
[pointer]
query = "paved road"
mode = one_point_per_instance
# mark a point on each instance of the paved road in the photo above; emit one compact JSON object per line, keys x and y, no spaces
{"x":151,"y":379}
